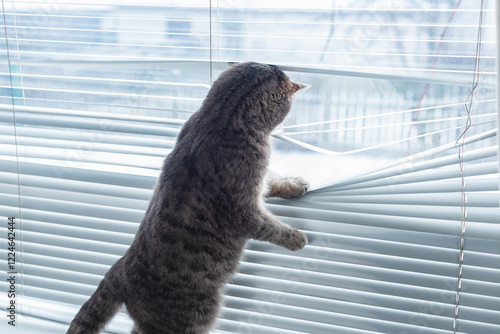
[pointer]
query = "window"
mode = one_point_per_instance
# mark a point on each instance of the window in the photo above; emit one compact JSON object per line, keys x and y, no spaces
{"x":404,"y":215}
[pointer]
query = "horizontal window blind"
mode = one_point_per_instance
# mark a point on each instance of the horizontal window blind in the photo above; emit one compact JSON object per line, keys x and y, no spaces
{"x":93,"y":95}
{"x":336,"y":280}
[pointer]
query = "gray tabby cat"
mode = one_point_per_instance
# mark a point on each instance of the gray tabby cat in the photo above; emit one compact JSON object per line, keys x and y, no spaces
{"x":207,"y":203}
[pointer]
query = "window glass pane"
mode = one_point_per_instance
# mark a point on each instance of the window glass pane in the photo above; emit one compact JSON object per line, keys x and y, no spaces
{"x":394,"y":82}
{"x":100,"y":91}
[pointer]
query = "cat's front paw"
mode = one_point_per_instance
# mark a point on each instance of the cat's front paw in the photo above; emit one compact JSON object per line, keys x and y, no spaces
{"x":299,"y":186}
{"x":296,"y":240}
{"x":288,"y":187}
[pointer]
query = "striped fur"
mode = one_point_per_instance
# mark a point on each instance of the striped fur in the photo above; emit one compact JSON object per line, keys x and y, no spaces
{"x":207,"y":203}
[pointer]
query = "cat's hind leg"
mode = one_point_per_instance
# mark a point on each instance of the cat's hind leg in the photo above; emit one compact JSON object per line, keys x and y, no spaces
{"x":135,"y":330}
{"x":286,"y":187}
{"x":99,"y":309}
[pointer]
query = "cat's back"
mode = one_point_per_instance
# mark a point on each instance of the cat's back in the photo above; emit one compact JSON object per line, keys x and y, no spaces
{"x":213,"y":164}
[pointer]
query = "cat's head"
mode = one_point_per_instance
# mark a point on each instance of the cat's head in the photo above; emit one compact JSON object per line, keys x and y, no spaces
{"x":254,"y":95}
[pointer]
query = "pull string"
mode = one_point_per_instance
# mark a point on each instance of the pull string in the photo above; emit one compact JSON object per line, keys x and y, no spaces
{"x":463,"y":217}
{"x":19,"y":226}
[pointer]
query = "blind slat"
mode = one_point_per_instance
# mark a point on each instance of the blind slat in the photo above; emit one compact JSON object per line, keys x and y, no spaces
{"x":318,"y":317}
{"x":57,"y":136}
{"x":479,"y":199}
{"x":370,"y":211}
{"x":90,"y":124}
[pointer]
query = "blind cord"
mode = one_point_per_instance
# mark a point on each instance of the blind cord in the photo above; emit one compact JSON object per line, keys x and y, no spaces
{"x":19,"y":222}
{"x":468,"y":107}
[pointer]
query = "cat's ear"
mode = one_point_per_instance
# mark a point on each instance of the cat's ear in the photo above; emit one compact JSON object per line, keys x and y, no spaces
{"x":298,"y":86}
{"x":231,"y":63}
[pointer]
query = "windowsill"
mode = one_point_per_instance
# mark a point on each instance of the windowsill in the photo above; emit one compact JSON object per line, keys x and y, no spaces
{"x":33,"y":325}
{"x":27,"y":324}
